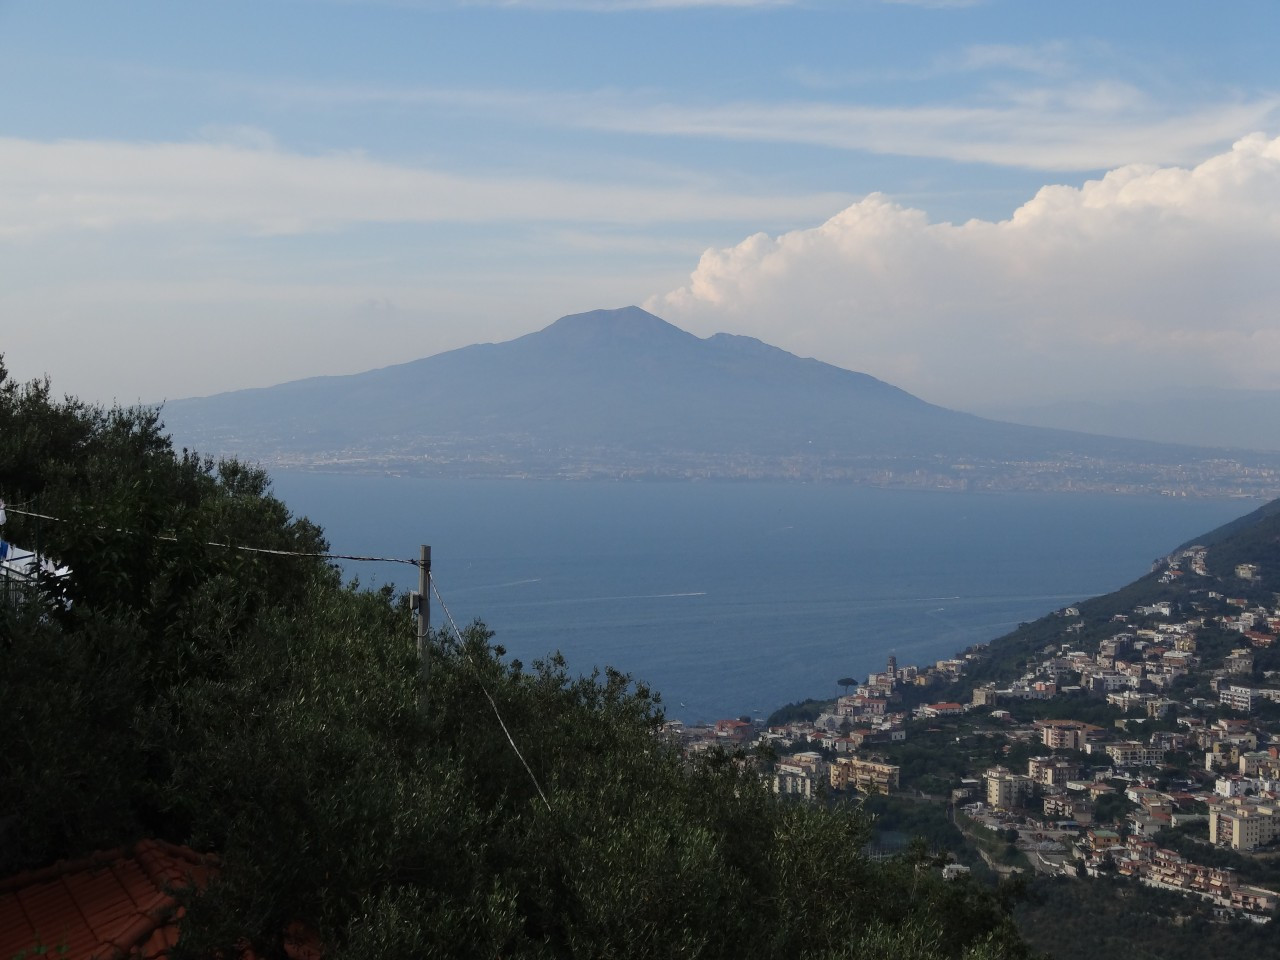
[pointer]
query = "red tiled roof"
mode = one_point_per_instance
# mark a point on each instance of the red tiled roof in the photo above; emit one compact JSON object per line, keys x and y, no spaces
{"x":112,"y":905}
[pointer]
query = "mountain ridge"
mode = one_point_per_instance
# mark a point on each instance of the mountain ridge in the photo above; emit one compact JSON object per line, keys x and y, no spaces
{"x":623,"y":392}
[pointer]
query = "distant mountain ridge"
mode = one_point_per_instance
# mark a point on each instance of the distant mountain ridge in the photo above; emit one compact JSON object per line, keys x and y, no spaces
{"x":1203,"y":416}
{"x":624,"y":393}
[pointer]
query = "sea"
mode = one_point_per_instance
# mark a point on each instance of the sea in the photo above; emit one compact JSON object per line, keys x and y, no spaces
{"x":733,"y":599}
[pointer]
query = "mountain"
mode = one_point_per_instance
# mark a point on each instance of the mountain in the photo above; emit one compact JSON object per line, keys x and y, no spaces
{"x":1253,"y":538}
{"x":1203,"y":416}
{"x":624,"y":393}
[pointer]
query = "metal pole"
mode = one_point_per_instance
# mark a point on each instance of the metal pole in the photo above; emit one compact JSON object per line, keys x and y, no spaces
{"x":423,"y":606}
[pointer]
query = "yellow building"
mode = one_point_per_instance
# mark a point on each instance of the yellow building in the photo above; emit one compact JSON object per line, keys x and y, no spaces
{"x":1242,"y":824}
{"x":1062,"y":734}
{"x":1006,"y":789}
{"x":868,"y":776}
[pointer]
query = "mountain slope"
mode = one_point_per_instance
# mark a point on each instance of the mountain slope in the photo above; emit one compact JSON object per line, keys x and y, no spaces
{"x":620,"y":388}
{"x":1261,"y":523}
{"x":1206,"y":416}
{"x":1192,"y":592}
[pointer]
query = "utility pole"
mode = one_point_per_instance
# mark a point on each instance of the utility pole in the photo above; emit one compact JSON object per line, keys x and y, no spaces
{"x":421,"y":604}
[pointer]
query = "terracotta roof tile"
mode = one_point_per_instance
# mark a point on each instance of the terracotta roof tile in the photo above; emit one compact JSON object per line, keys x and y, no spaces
{"x":117,"y":903}
{"x":114,"y":905}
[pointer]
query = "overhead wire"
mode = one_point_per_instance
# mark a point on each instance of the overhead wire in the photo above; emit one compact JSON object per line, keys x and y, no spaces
{"x":361,"y":559}
{"x":241,"y":547}
{"x":492,"y":703}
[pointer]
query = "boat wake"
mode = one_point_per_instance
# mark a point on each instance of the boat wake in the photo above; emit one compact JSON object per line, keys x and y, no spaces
{"x":641,"y":596}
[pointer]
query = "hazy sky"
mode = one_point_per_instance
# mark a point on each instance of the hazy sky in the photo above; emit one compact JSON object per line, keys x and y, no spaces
{"x":977,"y":201}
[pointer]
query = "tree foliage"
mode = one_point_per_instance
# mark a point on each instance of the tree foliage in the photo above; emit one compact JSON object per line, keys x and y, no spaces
{"x":802,"y":711}
{"x":254,"y":706}
{"x":1119,"y":919}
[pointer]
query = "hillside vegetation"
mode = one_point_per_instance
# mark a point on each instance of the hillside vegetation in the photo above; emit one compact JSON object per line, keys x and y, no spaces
{"x":254,"y":706}
{"x":1251,"y":539}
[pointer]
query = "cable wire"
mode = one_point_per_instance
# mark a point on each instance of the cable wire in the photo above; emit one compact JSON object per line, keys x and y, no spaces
{"x":492,"y":703}
{"x":241,"y":547}
{"x":362,"y":559}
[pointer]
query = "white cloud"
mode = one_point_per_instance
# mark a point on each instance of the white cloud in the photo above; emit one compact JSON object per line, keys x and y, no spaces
{"x":1150,"y":275}
{"x":1082,"y":126}
{"x":1045,"y":59}
{"x":76,"y":185}
{"x":1086,"y":127}
{"x":1055,"y":59}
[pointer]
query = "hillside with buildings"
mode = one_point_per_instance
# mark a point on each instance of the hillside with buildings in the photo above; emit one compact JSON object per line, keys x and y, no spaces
{"x":1129,"y":739}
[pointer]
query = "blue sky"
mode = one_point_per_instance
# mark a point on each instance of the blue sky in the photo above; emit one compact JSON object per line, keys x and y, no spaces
{"x":979,"y":201}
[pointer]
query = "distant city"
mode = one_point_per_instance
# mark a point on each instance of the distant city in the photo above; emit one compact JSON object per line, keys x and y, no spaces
{"x":443,"y":458}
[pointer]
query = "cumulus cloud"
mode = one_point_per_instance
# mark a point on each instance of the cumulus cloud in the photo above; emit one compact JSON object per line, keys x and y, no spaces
{"x":1148,"y":276}
{"x":72,"y":185}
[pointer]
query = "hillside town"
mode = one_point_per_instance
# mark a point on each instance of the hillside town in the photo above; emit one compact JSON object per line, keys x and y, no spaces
{"x":1139,"y":743}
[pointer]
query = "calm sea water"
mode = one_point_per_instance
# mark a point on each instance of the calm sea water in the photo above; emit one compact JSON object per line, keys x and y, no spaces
{"x":734,"y":599}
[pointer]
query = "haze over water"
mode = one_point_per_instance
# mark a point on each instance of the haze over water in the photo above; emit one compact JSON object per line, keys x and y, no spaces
{"x":734,"y":599}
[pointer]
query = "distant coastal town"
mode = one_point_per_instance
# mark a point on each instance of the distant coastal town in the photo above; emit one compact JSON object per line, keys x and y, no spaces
{"x":1246,"y":476}
{"x":1139,"y":743}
